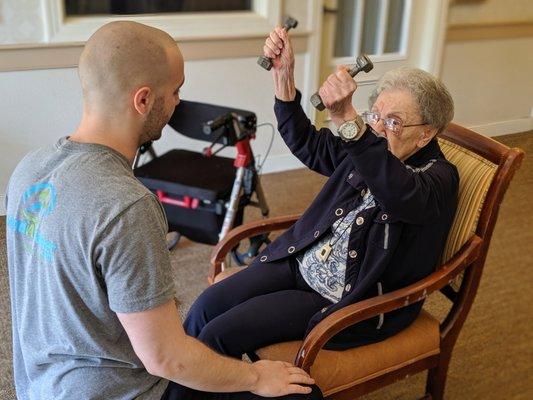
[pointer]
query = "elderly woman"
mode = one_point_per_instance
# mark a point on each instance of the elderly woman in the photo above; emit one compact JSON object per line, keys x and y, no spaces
{"x":379,"y":223}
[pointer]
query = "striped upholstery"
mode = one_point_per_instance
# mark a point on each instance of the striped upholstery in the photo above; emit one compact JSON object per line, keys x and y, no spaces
{"x":475,"y":174}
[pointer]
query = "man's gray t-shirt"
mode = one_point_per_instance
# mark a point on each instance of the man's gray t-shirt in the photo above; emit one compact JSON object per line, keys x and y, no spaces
{"x":85,"y":240}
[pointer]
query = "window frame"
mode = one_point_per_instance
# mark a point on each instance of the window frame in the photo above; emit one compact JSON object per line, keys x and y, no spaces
{"x":60,"y":29}
{"x":393,"y":58}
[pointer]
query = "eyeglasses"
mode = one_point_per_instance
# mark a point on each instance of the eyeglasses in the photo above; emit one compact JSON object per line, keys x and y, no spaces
{"x":392,"y":124}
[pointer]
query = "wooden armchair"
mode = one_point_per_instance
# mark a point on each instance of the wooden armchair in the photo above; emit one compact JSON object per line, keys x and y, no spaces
{"x":486,"y":168}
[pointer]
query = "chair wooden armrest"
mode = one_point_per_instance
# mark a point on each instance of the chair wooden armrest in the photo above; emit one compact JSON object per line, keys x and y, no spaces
{"x":354,"y":313}
{"x":234,"y":237}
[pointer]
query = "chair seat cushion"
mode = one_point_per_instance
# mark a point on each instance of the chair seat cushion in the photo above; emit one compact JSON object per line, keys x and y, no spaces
{"x":335,"y":371}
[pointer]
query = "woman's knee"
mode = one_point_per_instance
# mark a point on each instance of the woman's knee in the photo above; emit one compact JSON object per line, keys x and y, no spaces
{"x":223,"y":336}
{"x":205,"y":308}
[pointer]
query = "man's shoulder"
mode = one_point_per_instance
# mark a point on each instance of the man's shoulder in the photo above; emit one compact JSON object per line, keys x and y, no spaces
{"x":117,"y":192}
{"x":28,"y":168}
{"x":89,"y":182}
{"x":30,"y":160}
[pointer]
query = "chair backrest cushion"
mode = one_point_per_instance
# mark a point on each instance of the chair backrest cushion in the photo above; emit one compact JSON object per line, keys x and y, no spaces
{"x":475,"y":174}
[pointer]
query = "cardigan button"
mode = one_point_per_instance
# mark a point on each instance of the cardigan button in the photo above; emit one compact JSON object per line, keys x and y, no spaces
{"x":384,"y":217}
{"x":352,"y":254}
{"x":263,"y":258}
{"x":348,"y":287}
{"x":324,"y":310}
{"x":317,"y":234}
{"x":350,"y":176}
{"x":338,"y":212}
{"x":291,"y":249}
{"x":359,"y":220}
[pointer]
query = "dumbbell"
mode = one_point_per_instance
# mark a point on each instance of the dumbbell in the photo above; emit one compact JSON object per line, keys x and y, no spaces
{"x":266,"y":62}
{"x":362,"y":63}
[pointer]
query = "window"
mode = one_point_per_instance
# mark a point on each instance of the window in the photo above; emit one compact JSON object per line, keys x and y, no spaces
{"x":121,"y":7}
{"x":71,"y":21}
{"x":372,"y":27}
{"x":205,"y":29}
{"x":393,"y":33}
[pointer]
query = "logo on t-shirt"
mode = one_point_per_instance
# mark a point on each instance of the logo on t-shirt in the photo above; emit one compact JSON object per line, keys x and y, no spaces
{"x":38,"y":201}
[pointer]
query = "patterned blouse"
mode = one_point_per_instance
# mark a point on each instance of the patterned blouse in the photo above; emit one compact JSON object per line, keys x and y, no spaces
{"x":327,"y":278}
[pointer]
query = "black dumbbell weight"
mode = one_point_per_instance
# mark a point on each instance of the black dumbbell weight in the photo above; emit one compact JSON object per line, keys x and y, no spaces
{"x":362,"y":63}
{"x":266,"y":62}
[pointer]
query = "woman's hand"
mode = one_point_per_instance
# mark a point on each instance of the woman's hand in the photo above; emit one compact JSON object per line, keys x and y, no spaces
{"x":278,"y":47}
{"x":336,"y":94}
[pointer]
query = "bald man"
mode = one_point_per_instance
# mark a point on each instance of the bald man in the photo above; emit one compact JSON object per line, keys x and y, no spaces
{"x":92,"y":294}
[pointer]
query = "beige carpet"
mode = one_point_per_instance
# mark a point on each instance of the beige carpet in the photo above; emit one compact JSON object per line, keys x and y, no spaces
{"x":493,"y":358}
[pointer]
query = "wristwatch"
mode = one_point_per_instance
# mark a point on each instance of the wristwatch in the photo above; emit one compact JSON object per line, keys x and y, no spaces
{"x":352,"y":130}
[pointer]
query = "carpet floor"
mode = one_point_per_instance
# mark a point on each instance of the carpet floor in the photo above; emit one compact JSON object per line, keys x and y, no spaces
{"x":493,"y":358}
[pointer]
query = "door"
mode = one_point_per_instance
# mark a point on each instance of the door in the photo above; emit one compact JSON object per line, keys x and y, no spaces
{"x":392,"y":33}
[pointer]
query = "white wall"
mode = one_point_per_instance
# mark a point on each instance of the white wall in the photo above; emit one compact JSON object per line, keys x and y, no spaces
{"x":21,"y":21}
{"x":488,"y":65}
{"x":39,"y":106}
{"x":241,"y":84}
{"x":491,"y":84}
{"x":36,"y":107}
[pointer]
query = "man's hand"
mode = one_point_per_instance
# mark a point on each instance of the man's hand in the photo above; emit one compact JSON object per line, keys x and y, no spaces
{"x":279,"y":48}
{"x":278,"y":378}
{"x":158,"y":339}
{"x":336,"y":94}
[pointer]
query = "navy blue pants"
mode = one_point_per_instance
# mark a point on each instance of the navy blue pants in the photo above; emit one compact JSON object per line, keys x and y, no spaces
{"x":178,"y":392}
{"x":259,"y":306}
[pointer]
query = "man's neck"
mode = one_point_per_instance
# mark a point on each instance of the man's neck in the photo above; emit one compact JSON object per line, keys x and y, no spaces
{"x":120,"y":138}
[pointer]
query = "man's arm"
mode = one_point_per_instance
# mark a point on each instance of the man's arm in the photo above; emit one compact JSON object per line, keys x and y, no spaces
{"x":160,"y":342}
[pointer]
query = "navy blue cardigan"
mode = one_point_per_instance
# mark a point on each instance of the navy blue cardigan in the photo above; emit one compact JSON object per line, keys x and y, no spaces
{"x":398,"y":242}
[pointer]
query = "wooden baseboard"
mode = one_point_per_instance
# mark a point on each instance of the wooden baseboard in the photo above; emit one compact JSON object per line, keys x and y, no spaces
{"x":504,"y":127}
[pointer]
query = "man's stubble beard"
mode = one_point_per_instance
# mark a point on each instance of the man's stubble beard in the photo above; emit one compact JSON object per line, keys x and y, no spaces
{"x":155,"y":122}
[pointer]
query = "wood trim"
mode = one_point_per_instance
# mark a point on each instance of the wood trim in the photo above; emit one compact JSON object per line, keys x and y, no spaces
{"x":46,"y":56}
{"x":385,"y":379}
{"x":359,"y":382}
{"x":234,"y":237}
{"x":510,"y":160}
{"x":450,"y":328}
{"x":479,"y":144}
{"x":510,"y":30}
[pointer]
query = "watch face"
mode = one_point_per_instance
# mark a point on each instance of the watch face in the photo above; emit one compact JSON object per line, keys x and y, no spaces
{"x":349,"y":130}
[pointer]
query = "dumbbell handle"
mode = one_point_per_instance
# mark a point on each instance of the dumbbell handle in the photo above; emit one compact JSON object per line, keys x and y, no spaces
{"x":266,"y":62}
{"x":362,"y":63}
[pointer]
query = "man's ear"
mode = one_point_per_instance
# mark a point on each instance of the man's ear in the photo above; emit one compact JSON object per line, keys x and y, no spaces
{"x":143,"y":100}
{"x":427,"y":134}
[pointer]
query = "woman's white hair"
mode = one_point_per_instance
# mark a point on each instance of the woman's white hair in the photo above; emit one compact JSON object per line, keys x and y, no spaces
{"x":435,"y":104}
